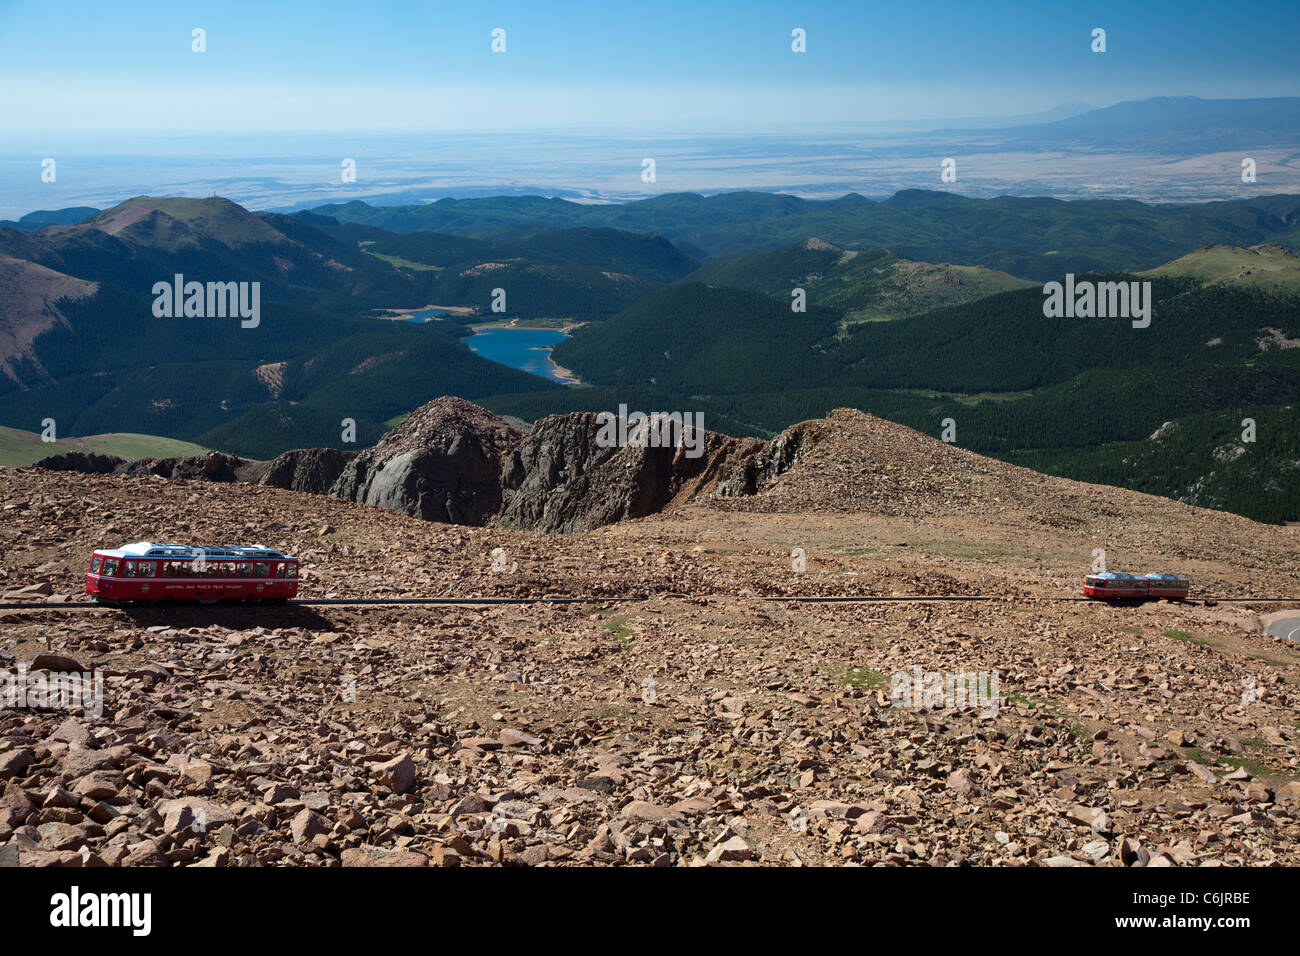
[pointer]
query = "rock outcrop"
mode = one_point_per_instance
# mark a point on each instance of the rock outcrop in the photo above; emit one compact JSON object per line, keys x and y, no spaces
{"x":560,"y":479}
{"x":214,"y":466}
{"x":442,"y":463}
{"x":454,"y":462}
{"x":86,"y":463}
{"x":753,"y":472}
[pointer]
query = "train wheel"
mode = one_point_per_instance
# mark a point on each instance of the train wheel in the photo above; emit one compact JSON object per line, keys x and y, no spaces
{"x":206,"y":601}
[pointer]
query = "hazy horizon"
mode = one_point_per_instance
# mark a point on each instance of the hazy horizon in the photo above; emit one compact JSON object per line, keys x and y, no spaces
{"x":262,"y":103}
{"x":290,"y":171}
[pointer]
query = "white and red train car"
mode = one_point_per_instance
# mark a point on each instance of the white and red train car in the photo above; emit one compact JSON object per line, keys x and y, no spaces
{"x":145,"y":571}
{"x":1111,"y":585}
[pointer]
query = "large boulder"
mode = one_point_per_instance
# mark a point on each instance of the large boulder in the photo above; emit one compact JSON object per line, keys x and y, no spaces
{"x":442,"y":463}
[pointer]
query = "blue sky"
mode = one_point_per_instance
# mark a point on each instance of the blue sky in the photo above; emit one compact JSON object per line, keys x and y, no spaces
{"x":376,"y":65}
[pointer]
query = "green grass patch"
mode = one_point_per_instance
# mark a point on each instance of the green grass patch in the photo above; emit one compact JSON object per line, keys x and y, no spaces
{"x":537,"y":322}
{"x":400,"y":263}
{"x":861,"y":677}
{"x":1184,"y":636}
{"x":616,"y":625}
{"x":1255,"y":767}
{"x":19,"y":448}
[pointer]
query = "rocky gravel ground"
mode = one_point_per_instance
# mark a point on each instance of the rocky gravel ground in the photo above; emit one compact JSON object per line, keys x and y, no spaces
{"x":700,"y":725}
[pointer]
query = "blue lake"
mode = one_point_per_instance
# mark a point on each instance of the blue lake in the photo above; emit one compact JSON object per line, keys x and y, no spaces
{"x":528,"y":350}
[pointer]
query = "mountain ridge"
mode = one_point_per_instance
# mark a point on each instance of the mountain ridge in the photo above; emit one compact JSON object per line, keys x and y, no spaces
{"x":454,"y":462}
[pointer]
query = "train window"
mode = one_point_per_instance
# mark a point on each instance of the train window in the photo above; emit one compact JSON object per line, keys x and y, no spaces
{"x":95,"y":562}
{"x":292,"y":569}
{"x":110,"y":567}
{"x":261,"y":569}
{"x":145,"y":569}
{"x":128,"y":569}
{"x":244,"y":569}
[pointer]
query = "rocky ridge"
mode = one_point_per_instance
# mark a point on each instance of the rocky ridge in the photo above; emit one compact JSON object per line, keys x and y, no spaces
{"x":454,"y":462}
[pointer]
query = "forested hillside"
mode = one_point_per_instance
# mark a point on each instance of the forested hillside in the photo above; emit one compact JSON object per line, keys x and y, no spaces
{"x":1032,"y":238}
{"x":1013,"y":383}
{"x":926,"y":309}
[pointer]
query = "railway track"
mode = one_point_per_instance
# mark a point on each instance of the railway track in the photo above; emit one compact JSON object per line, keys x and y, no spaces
{"x":312,"y":602}
{"x":605,"y":599}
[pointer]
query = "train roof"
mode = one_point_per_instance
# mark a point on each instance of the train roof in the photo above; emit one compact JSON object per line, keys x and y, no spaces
{"x":150,"y":549}
{"x":1122,"y":576}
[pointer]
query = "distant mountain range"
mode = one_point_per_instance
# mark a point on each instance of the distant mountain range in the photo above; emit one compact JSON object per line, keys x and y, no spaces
{"x":1170,"y":125}
{"x":920,"y":308}
{"x":1063,"y":111}
{"x":1031,"y":238}
{"x":49,"y":217}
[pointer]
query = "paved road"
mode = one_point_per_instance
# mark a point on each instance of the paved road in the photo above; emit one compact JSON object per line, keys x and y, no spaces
{"x":1288,"y":627}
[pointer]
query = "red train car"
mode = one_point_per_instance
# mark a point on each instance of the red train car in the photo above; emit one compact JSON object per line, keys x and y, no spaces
{"x":1112,"y":585}
{"x":175,"y":572}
